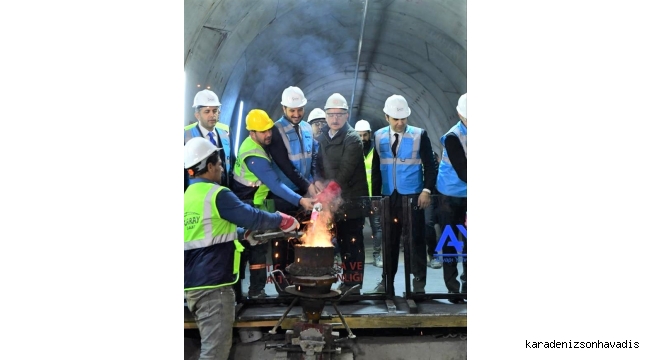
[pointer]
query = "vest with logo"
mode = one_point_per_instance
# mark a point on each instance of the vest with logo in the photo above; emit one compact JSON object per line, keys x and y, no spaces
{"x":403,"y":172}
{"x":300,"y":158}
{"x":212,"y":251}
{"x":448,"y":182}
{"x":244,"y":176}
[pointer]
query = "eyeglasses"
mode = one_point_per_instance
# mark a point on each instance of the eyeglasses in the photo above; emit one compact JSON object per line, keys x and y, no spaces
{"x":337,"y":115}
{"x":319,"y":124}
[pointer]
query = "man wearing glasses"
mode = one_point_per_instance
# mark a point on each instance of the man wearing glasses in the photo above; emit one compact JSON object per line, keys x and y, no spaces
{"x":340,"y":159}
{"x":317,"y":121}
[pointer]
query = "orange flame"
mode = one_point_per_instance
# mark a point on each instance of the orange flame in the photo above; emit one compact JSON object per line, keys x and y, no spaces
{"x":317,"y":233}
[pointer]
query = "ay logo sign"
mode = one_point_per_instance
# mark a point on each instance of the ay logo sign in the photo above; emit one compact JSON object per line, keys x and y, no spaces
{"x":448,"y":237}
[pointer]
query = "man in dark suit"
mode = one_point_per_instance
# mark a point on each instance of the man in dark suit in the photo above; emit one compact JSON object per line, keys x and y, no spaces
{"x":403,"y":166}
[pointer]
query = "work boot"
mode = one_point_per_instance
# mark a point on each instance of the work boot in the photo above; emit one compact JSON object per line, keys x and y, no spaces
{"x":457,"y":300}
{"x":435,"y":263}
{"x":260,"y":295}
{"x":345,"y":287}
{"x":377,"y":261}
{"x":418,"y":285}
{"x":379,"y":289}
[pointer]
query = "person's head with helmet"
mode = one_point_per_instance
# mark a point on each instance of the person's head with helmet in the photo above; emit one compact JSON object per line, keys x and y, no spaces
{"x":363,"y":129}
{"x":293,"y":104}
{"x":336,"y":111}
{"x":316,"y":119}
{"x":461,"y":108}
{"x":259,"y":124}
{"x":207,"y":109}
{"x":397,"y":112}
{"x":202,"y":159}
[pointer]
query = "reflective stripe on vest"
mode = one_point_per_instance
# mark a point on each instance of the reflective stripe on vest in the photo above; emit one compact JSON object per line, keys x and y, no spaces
{"x":300,"y":158}
{"x":209,"y":240}
{"x":206,"y":228}
{"x":192,"y":131}
{"x":404,"y":171}
{"x":448,"y":182}
{"x":368,"y":162}
{"x":244,"y":176}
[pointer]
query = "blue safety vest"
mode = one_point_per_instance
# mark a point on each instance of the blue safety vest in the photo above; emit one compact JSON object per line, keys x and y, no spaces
{"x":194,"y":131}
{"x":403,"y":172}
{"x":300,"y":158}
{"x":448,"y":182}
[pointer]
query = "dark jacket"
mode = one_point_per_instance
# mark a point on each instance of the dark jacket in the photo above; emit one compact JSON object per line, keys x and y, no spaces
{"x":281,"y":158}
{"x":341,"y":159}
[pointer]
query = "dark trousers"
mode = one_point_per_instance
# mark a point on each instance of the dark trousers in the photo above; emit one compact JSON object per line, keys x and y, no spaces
{"x":431,"y":217}
{"x":282,"y":249}
{"x":255,"y":256}
{"x":375,"y":226}
{"x":452,"y":213}
{"x":349,"y":234}
{"x":418,"y":252}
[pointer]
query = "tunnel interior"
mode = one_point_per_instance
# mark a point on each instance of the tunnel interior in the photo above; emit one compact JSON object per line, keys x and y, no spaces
{"x":249,"y":51}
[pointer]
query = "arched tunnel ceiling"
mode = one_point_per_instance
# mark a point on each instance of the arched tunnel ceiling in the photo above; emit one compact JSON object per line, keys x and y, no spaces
{"x":250,"y":50}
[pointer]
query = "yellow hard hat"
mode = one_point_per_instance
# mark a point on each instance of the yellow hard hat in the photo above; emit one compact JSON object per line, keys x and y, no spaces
{"x":258,"y":120}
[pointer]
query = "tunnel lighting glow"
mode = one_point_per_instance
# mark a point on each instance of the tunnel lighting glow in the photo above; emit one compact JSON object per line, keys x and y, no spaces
{"x":241,"y":108}
{"x":198,"y":85}
{"x":208,"y":87}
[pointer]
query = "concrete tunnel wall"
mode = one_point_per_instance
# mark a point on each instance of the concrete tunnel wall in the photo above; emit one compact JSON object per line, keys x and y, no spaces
{"x":251,"y":50}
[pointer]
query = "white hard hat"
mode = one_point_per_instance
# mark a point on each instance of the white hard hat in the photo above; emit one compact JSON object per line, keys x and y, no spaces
{"x":197,"y":151}
{"x":293,"y":97}
{"x":336,"y":101}
{"x":397,"y":107}
{"x":206,"y":98}
{"x":317,"y":113}
{"x":362,"y":125}
{"x":462,"y":105}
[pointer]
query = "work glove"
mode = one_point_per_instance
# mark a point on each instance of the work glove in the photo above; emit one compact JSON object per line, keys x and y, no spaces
{"x":249,"y":235}
{"x":288,"y":223}
{"x":331,"y":191}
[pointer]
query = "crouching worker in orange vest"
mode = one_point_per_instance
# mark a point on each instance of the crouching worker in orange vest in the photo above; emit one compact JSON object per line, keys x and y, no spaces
{"x":212,"y":252}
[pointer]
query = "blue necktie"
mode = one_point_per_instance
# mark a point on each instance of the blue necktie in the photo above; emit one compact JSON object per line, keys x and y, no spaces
{"x":212,"y":138}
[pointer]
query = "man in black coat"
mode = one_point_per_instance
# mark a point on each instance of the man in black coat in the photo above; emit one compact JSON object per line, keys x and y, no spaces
{"x":340,"y":159}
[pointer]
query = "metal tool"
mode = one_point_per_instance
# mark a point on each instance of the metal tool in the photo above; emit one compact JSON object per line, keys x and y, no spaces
{"x":266,"y":236}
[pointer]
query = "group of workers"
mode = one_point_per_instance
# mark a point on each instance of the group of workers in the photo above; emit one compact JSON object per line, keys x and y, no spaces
{"x":281,"y":169}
